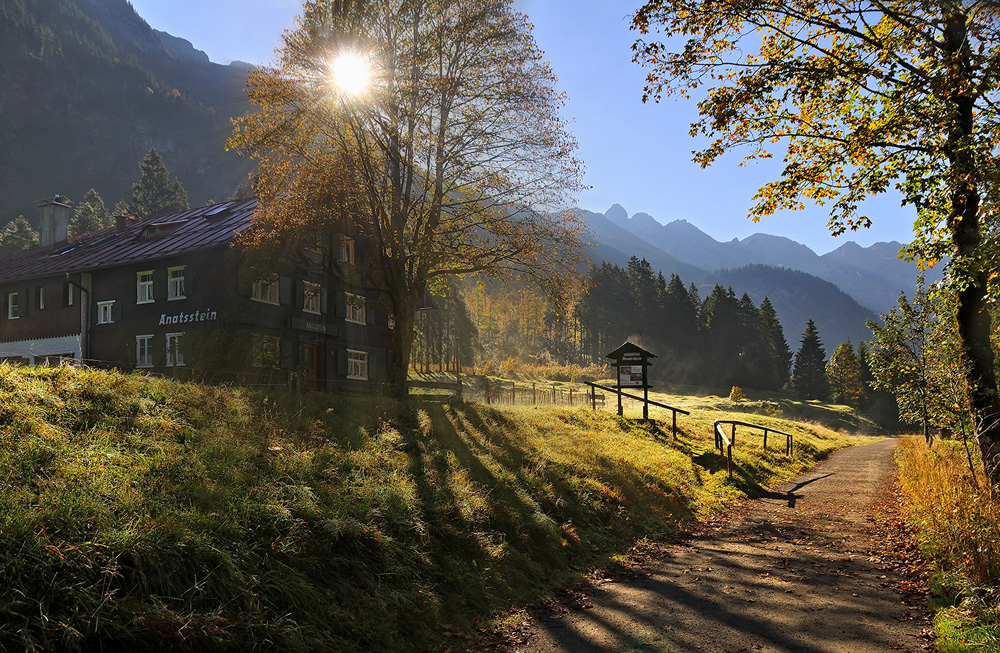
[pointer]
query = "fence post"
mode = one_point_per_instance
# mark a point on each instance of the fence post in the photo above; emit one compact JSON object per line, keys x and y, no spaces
{"x":734,"y":434}
{"x":553,"y":394}
{"x":513,"y":393}
{"x":571,"y":397}
{"x":534,"y":395}
{"x":593,"y":398}
{"x":675,"y":425}
{"x":765,"y":439}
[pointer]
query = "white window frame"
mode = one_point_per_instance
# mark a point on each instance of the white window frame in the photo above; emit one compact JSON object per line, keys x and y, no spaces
{"x":266,"y":290}
{"x":69,"y":293}
{"x":144,"y":287}
{"x":175,"y":284}
{"x":41,"y":298}
{"x":105,"y":312}
{"x":357,"y":365}
{"x":311,"y":298}
{"x":356,"y":308}
{"x":144,"y":350}
{"x":347,"y":250}
{"x":13,"y":306}
{"x":174,"y":349}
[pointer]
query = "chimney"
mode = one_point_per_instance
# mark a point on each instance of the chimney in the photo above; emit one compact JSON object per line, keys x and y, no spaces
{"x":54,"y":215}
{"x":123,"y":221}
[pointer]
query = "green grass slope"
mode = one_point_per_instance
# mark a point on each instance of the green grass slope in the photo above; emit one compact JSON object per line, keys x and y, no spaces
{"x":140,"y":513}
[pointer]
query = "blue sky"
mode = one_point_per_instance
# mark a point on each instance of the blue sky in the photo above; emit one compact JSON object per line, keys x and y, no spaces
{"x":636,"y":155}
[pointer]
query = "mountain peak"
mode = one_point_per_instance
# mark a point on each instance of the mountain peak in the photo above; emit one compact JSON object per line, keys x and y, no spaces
{"x":617,"y":215}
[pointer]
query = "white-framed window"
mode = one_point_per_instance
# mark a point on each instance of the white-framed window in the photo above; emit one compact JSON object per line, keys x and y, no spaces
{"x":143,"y":287}
{"x":175,"y":283}
{"x":104,"y":312}
{"x":68,"y":293}
{"x":40,"y":297}
{"x":347,"y":250}
{"x":144,"y":351}
{"x":13,"y":306}
{"x":357,"y":311}
{"x":266,"y":351}
{"x":311,"y":294}
{"x":265,"y":290}
{"x":357,"y":365}
{"x":175,"y":351}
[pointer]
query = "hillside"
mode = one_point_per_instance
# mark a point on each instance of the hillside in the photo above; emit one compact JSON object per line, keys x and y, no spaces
{"x":143,"y":514}
{"x":798,"y":296}
{"x":88,"y":87}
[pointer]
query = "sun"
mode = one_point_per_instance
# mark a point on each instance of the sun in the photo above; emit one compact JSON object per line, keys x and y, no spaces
{"x":350,"y":73}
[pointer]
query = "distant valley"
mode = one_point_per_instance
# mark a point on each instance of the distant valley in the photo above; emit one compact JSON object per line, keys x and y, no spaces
{"x":840,"y":290}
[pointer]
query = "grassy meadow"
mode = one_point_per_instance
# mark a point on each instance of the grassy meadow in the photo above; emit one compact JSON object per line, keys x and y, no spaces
{"x":142,"y":513}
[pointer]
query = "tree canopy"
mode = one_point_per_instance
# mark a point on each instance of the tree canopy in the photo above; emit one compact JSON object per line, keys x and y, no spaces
{"x":862,"y":97}
{"x":453,"y":160}
{"x":17,"y":235}
{"x":90,"y":215}
{"x":156,"y":194}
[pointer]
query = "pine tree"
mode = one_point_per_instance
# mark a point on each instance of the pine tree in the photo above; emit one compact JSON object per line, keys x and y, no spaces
{"x":121,"y":208}
{"x":16,"y":236}
{"x":779,"y":356}
{"x":90,"y":215}
{"x":810,"y":365}
{"x":156,"y":194}
{"x":843,"y":375}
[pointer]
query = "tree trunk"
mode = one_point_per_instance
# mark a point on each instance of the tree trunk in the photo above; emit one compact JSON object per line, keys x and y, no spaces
{"x":402,"y":345}
{"x":974,"y":324}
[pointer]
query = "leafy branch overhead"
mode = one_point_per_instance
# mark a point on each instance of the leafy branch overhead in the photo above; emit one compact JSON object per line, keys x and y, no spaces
{"x":863,"y":98}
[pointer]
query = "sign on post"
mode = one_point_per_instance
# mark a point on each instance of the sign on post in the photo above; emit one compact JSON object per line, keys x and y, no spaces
{"x":631,"y":363}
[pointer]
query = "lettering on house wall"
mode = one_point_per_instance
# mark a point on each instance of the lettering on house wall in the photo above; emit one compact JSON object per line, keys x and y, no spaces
{"x":184,"y":318}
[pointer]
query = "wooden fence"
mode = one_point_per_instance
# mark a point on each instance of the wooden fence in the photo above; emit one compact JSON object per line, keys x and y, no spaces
{"x":537,"y":394}
{"x":724,"y":443}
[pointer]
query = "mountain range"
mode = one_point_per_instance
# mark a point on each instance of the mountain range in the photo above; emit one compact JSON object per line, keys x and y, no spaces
{"x":840,"y":290}
{"x":87,"y":87}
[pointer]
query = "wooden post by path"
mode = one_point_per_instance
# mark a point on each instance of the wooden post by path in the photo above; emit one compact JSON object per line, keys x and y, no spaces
{"x":593,"y":398}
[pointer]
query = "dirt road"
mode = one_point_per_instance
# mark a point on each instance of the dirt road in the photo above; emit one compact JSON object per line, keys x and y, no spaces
{"x":792,"y":572}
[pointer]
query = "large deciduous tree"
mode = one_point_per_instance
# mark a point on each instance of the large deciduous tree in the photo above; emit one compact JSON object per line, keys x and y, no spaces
{"x":453,"y":161}
{"x":863,"y":96}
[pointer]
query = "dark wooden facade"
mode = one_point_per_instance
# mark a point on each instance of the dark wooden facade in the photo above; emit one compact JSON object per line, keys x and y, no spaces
{"x":173,"y":297}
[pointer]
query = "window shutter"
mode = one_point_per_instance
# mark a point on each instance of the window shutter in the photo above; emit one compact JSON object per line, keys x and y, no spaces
{"x":341,"y":304}
{"x":188,"y":287}
{"x":116,"y":312}
{"x":323,"y":302}
{"x":22,"y":300}
{"x":342,"y":362}
{"x":375,"y":370}
{"x":244,"y":284}
{"x":93,"y":313}
{"x":160,"y":284}
{"x":369,"y":313}
{"x":300,"y":293}
{"x":285,"y":291}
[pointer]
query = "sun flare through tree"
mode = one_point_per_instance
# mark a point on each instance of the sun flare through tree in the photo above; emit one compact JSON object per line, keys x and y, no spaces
{"x":439,"y":140}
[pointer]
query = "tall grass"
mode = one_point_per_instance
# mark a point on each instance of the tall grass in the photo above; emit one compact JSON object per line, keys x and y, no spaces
{"x":141,"y":513}
{"x":958,"y":522}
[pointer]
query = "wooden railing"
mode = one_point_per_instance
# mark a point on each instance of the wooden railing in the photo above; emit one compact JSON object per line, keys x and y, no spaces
{"x":725,"y":443}
{"x":615,"y":390}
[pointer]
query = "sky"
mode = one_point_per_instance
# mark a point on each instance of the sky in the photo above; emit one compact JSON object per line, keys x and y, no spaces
{"x":636,"y":155}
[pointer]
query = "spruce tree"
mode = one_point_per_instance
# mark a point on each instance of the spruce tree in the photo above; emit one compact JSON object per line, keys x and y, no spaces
{"x":779,"y":356}
{"x":156,"y":194}
{"x":90,"y":215}
{"x":810,"y":365}
{"x":16,"y":236}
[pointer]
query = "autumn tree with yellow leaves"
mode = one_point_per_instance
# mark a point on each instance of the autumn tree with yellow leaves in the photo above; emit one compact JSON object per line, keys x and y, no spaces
{"x":862,"y":97}
{"x":429,"y":128}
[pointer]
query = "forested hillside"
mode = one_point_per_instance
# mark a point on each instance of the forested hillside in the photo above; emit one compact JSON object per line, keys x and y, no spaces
{"x":87,"y":88}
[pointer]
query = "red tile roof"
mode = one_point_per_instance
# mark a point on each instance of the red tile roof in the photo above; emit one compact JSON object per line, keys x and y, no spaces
{"x":206,"y":226}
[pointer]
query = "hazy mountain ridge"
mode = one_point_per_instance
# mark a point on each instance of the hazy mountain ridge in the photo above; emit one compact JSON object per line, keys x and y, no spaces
{"x":840,"y":290}
{"x":87,"y":87}
{"x":873,"y":275}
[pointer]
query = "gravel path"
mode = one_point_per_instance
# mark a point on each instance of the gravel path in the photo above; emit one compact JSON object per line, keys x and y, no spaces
{"x":796,"y":571}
